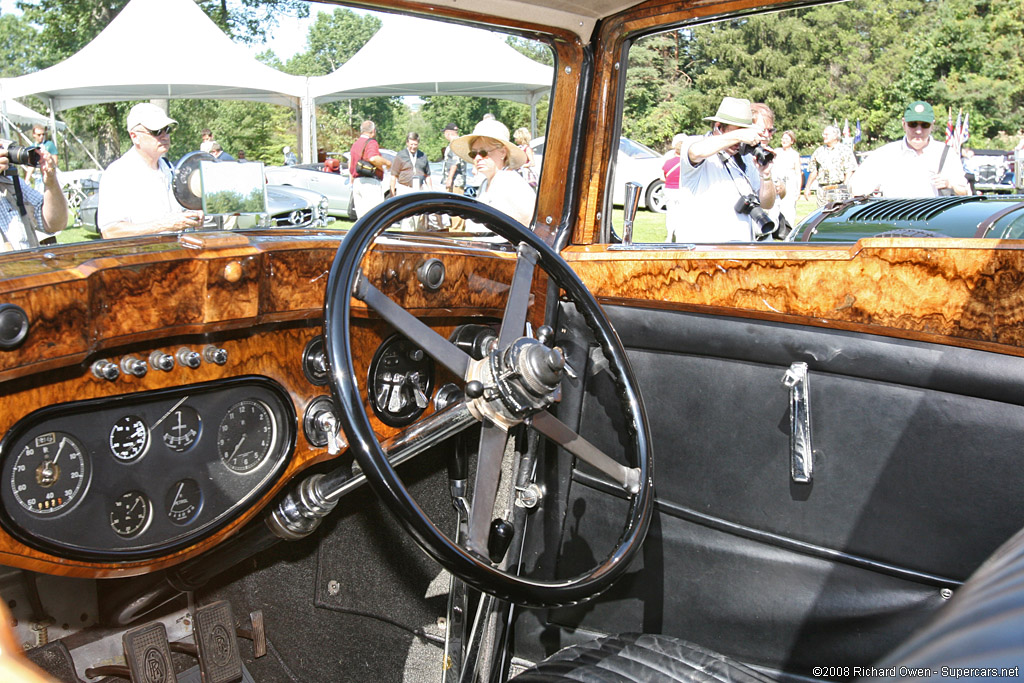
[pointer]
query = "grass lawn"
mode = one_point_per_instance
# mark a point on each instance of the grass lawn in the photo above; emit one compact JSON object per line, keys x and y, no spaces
{"x":647,"y":227}
{"x":650,"y":227}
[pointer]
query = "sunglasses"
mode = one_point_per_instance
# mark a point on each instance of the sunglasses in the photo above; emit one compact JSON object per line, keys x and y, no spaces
{"x":919,"y":124}
{"x":482,"y":153}
{"x":160,"y":131}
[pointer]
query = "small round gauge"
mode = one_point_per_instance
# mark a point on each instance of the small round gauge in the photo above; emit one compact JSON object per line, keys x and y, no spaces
{"x":246,"y":435}
{"x":129,"y":438}
{"x":50,"y":473}
{"x":181,"y":428}
{"x":130,"y":514}
{"x":183,"y":501}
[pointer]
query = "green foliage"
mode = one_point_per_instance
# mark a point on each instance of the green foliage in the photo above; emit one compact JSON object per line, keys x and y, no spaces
{"x":861,"y":60}
{"x":18,"y":50}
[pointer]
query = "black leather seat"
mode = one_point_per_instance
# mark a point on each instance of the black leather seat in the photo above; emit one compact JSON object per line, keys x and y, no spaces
{"x":639,"y":657}
{"x":978,"y":631}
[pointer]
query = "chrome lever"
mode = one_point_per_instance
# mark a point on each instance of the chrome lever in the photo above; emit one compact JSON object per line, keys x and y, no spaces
{"x":801,"y":454}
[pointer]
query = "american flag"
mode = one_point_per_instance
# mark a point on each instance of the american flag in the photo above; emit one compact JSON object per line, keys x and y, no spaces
{"x":958,"y":129}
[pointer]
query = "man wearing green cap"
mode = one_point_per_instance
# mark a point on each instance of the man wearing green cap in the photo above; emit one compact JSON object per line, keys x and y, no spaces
{"x":914,"y":166}
{"x":714,"y":177}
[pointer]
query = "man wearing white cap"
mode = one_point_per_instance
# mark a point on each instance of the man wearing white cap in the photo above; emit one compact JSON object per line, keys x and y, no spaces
{"x":135,"y":195}
{"x":714,"y":177}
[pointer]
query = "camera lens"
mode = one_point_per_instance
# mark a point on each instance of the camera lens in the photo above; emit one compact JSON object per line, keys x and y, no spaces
{"x":26,"y":156}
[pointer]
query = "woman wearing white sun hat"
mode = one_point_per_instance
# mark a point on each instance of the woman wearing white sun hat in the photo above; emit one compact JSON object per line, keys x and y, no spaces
{"x":495,"y":158}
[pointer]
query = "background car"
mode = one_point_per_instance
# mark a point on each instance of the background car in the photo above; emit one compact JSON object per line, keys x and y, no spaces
{"x":288,"y":207}
{"x":337,"y":187}
{"x":994,"y":216}
{"x":992,"y":169}
{"x":636,"y":163}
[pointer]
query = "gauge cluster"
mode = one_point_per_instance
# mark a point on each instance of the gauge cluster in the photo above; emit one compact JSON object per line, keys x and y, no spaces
{"x":139,"y":475}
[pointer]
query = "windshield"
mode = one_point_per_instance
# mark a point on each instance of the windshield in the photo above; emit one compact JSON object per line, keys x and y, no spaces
{"x":127,"y":167}
{"x":835,"y":90}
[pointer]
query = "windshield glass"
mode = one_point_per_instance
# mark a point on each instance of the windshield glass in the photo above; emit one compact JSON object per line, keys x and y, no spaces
{"x":126,"y":166}
{"x":870,"y":98}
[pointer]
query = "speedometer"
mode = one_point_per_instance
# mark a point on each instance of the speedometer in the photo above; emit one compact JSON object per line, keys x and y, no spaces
{"x":50,"y":473}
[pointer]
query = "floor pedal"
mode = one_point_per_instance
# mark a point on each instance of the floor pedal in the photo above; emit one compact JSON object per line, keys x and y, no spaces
{"x":149,"y":654}
{"x":219,"y":660}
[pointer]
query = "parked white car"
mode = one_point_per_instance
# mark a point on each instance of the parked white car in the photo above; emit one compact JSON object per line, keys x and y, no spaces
{"x":337,"y":187}
{"x":636,"y":163}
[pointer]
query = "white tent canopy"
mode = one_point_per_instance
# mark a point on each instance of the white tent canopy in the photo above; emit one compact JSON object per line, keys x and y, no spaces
{"x":18,"y":114}
{"x":471,"y":62}
{"x":129,"y":60}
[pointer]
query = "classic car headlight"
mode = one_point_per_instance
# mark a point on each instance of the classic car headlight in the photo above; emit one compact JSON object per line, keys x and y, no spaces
{"x":322,"y":210}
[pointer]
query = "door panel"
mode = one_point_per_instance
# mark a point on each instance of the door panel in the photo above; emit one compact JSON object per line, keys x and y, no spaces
{"x":916,"y":480}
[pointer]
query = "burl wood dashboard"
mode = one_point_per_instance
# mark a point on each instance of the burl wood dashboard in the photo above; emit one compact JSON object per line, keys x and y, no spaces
{"x":126,"y":471}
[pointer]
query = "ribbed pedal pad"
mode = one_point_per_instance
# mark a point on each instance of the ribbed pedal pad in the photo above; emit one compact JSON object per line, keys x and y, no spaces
{"x":214,"y":626}
{"x":148,"y":654}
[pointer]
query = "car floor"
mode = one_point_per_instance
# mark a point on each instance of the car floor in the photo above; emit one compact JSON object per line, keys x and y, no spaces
{"x":358,"y":601}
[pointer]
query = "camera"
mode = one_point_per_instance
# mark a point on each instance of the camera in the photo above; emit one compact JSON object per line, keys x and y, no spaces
{"x":761,"y":154}
{"x":26,"y":156}
{"x":749,"y":204}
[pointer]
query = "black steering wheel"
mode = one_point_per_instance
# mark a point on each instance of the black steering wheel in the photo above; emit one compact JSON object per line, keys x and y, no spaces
{"x":514,"y":383}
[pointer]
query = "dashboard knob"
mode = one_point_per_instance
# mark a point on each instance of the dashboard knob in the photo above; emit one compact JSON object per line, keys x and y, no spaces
{"x":104,"y":369}
{"x":474,"y":389}
{"x":189,"y":358}
{"x":130,"y":365}
{"x":13,"y":326}
{"x":431,"y":274}
{"x":215,"y":354}
{"x":161,"y":361}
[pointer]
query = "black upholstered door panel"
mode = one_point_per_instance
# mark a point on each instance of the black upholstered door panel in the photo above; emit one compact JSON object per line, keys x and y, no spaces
{"x":917,"y":478}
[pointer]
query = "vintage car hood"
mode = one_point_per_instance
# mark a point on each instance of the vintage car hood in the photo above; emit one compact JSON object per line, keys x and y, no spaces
{"x":1000,"y":217}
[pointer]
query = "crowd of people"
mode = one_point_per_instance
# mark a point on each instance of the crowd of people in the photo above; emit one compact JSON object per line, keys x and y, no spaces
{"x":729,"y":184}
{"x":726,"y":184}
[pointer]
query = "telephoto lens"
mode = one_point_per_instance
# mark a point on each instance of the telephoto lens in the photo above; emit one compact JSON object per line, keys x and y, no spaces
{"x":25,"y":156}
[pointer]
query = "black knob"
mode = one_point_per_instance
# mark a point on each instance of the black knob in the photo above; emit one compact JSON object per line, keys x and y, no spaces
{"x":545,"y":335}
{"x":431,"y":274}
{"x":13,"y":326}
{"x":499,"y":539}
{"x":474,"y":389}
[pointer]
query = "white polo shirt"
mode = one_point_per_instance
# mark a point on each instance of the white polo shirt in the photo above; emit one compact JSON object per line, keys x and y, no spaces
{"x":708,"y":193}
{"x":132,"y":191}
{"x":897,"y":170}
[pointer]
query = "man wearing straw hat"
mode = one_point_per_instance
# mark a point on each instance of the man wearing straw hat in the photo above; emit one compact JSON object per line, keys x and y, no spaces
{"x":717,"y":176}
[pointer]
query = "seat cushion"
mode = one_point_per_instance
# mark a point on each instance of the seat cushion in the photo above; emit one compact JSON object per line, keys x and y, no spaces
{"x":638,"y":657}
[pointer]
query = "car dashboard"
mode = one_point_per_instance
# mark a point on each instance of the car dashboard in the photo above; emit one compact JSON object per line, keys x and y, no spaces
{"x":165,"y":391}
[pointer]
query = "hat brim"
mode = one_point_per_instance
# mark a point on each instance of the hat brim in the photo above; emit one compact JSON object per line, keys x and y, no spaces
{"x":730,"y":122}
{"x":461,"y":145}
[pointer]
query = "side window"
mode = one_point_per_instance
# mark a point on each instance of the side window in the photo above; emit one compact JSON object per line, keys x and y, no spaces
{"x":739,"y":130}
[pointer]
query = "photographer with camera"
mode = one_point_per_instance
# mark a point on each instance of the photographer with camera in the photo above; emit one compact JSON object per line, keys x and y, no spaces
{"x":725,"y":179}
{"x":29,"y":218}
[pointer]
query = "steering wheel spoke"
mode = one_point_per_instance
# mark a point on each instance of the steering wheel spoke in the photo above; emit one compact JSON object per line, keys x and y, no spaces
{"x":628,"y":478}
{"x":514,"y":321}
{"x":485,"y":486}
{"x":436,"y":346}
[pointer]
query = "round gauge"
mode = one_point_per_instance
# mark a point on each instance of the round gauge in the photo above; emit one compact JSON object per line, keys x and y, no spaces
{"x":129,"y":438}
{"x":50,"y":473}
{"x":183,"y":501}
{"x":246,"y":435}
{"x":130,"y":514}
{"x":181,"y":428}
